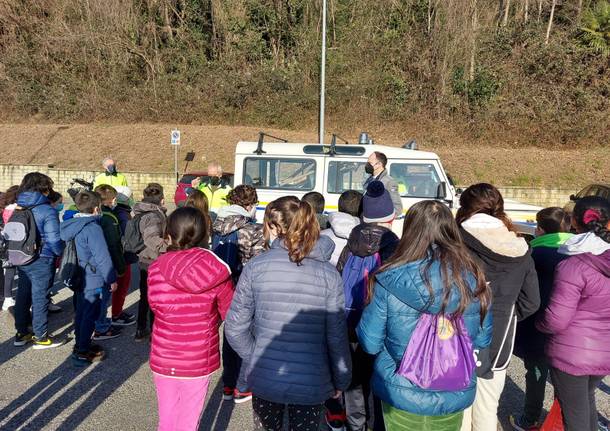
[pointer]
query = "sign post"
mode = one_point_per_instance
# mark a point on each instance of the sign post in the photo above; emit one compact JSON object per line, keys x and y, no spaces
{"x":175,"y":142}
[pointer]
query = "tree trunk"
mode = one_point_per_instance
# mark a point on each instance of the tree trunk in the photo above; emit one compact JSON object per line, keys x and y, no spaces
{"x":506,"y":12}
{"x":473,"y":47}
{"x":548,"y":29}
{"x":578,"y":12}
{"x":429,"y":15}
{"x":539,"y":10}
{"x":526,"y":11}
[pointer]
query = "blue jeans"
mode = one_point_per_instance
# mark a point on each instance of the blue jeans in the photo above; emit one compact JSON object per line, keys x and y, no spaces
{"x":87,"y":311}
{"x":33,"y":290}
{"x":233,"y":368}
{"x":103,"y":322}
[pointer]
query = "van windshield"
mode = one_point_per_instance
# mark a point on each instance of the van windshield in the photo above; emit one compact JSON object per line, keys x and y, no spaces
{"x":415,"y":180}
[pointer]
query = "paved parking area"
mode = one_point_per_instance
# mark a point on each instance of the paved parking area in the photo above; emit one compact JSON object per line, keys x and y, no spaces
{"x":40,"y":390}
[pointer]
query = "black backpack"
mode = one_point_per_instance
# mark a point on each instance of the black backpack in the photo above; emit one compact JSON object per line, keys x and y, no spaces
{"x":21,"y":235}
{"x":133,"y":242}
{"x":70,"y":273}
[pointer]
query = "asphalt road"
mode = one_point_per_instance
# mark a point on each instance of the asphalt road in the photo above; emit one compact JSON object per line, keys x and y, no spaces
{"x":40,"y":390}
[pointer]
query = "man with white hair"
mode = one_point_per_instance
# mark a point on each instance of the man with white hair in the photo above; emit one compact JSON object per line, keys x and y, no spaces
{"x":110,"y":176}
{"x":215,"y":189}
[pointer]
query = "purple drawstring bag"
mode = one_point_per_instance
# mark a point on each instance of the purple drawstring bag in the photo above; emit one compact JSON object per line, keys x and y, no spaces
{"x":439,"y":355}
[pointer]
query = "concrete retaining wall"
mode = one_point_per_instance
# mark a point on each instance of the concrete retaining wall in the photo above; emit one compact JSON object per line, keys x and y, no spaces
{"x":10,"y":175}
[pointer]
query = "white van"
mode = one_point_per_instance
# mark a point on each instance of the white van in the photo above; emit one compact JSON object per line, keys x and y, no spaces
{"x":281,"y":169}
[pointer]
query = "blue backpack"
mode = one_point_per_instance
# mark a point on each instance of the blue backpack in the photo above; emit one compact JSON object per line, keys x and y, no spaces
{"x":226,"y":247}
{"x":355,"y":284}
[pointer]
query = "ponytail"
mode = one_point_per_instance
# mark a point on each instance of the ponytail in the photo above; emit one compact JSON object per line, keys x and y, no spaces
{"x":302,"y":234}
{"x":592,"y":214}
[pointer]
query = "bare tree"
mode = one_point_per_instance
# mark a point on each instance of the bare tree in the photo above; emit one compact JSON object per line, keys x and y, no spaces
{"x":578,"y":12}
{"x":473,"y":47}
{"x":539,"y":10}
{"x":548,"y":29}
{"x":506,"y":12}
{"x":526,"y":10}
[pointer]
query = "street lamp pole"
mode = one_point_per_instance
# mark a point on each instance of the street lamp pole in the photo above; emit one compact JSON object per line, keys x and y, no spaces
{"x":323,"y":73}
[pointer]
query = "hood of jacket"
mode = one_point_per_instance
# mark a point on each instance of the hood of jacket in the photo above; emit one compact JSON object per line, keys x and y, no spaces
{"x":230,"y":219}
{"x":322,"y":250}
{"x":367,"y":239}
{"x":342,"y":224}
{"x":495,"y":236}
{"x":144,"y":207}
{"x":70,"y":228}
{"x":194,"y":271}
{"x":406,"y":282}
{"x":600,"y":262}
{"x":28,"y":199}
{"x":584,"y":243}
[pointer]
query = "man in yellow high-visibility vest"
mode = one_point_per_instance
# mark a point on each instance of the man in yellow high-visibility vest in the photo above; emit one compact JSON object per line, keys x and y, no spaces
{"x":110,"y":176}
{"x":215,"y":189}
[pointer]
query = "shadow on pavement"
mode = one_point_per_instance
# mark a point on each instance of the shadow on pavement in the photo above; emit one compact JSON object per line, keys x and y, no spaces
{"x":91,"y":386}
{"x":216,"y":409}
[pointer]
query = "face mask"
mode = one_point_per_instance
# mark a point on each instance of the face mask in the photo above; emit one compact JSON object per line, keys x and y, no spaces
{"x":253,"y":213}
{"x":111,"y":169}
{"x":214,"y":181}
{"x":369,"y":169}
{"x":113,"y":206}
{"x":59,"y":208}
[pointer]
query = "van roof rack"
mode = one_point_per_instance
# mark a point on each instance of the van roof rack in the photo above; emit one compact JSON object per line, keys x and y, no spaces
{"x":261,"y":141}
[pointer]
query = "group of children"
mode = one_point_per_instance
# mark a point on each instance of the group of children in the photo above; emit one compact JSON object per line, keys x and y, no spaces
{"x":335,"y":315}
{"x":96,"y":224}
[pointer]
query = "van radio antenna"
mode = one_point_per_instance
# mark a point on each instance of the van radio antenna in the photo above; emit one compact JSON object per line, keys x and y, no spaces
{"x":333,"y":144}
{"x":261,"y":141}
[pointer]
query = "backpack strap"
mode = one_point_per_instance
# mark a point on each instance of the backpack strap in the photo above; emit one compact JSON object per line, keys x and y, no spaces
{"x":111,"y":215}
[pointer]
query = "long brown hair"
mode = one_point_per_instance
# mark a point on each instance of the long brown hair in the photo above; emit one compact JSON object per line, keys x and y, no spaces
{"x":8,"y":197}
{"x":187,"y":229}
{"x":430,"y":232}
{"x":295,"y":222}
{"x":482,"y":198}
{"x":197,"y":199}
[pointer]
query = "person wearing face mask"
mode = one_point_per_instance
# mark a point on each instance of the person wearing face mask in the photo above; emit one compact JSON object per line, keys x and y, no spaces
{"x":214,"y":189}
{"x":236,"y":239}
{"x":376,"y":168}
{"x":110,"y":175}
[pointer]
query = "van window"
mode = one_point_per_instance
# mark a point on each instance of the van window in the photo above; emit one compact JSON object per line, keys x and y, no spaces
{"x":286,"y":174}
{"x":415,"y":180}
{"x":344,"y":176}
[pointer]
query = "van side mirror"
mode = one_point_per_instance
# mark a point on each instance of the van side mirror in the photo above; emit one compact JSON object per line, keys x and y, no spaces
{"x":441,"y":191}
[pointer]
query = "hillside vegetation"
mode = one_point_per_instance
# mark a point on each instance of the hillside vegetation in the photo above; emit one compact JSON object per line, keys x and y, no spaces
{"x":492,"y":72}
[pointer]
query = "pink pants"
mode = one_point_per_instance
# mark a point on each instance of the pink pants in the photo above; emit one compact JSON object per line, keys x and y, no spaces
{"x":180,"y":402}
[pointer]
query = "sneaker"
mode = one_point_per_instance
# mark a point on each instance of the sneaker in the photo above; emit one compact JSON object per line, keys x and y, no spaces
{"x":227,"y":393}
{"x":82,"y":359}
{"x":108,"y":335}
{"x":241,"y":397}
{"x":124,"y":319}
{"x":601,"y":426}
{"x":335,"y":422}
{"x":141,"y":335}
{"x":22,"y":339}
{"x":8,"y":303}
{"x":54,"y":308}
{"x":47,"y":342}
{"x":519,"y":424}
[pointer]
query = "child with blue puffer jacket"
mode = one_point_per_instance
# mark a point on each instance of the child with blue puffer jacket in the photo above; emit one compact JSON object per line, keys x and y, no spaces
{"x":431,"y":274}
{"x":99,"y":273}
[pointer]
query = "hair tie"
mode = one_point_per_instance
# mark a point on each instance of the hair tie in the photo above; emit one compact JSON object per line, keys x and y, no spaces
{"x":590,"y":216}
